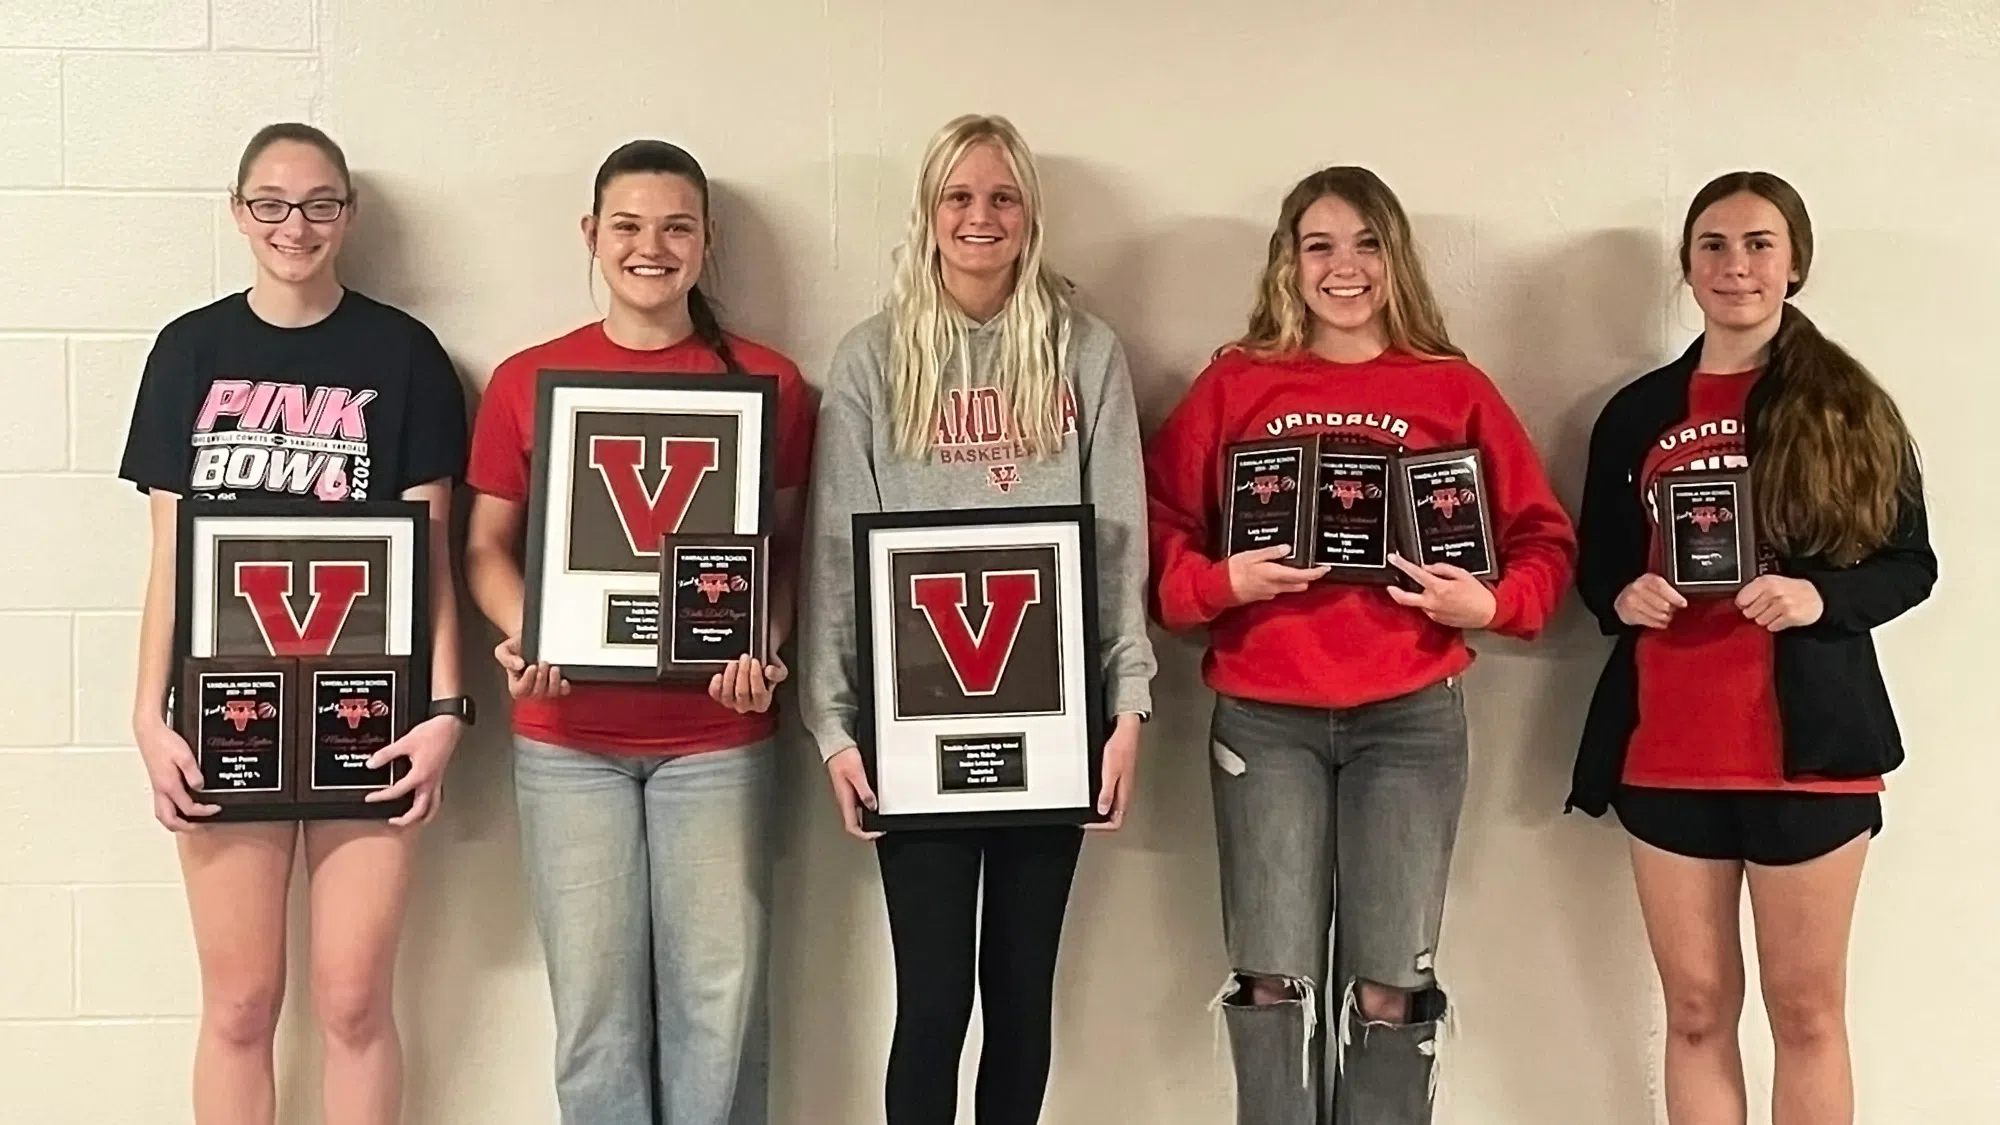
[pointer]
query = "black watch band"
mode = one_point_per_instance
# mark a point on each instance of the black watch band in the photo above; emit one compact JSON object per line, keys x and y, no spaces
{"x":458,"y":706}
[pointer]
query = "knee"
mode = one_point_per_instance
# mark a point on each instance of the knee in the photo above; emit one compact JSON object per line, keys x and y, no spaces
{"x":1703,"y":1011}
{"x":1265,"y":990}
{"x":1805,"y":1015}
{"x":242,"y":1016}
{"x":1376,"y":1003}
{"x":1380,"y":1003}
{"x":353,"y":1009}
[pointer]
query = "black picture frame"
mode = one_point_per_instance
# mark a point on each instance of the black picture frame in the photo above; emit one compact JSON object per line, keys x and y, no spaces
{"x":1089,"y":677}
{"x":1410,"y":517}
{"x":672,"y":393}
{"x":201,"y":529}
{"x":758,"y":590}
{"x":1727,"y":490}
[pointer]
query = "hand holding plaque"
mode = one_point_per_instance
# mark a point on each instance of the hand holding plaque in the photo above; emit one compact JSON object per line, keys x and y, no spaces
{"x":1444,"y":513}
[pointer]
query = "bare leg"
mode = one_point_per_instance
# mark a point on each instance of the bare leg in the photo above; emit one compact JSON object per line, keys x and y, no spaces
{"x":360,"y":873}
{"x":236,"y":876}
{"x":1804,"y":915}
{"x":1691,"y":910}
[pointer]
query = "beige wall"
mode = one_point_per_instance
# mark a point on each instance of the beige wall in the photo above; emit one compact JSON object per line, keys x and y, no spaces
{"x":1545,"y":150}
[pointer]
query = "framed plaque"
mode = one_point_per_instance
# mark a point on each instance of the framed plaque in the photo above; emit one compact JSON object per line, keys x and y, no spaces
{"x":981,"y":694}
{"x":1268,"y":488}
{"x":716,"y":594}
{"x":621,"y":460}
{"x":1353,"y":514}
{"x":269,"y":592}
{"x":1708,"y":533}
{"x":1443,"y":512}
{"x":236,"y":714}
{"x":352,"y":707}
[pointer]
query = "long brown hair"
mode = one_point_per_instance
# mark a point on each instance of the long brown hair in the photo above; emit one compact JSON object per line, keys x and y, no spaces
{"x":1281,"y":323}
{"x":1834,"y":460}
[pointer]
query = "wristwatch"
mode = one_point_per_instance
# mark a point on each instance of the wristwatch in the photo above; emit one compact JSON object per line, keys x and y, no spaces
{"x":459,"y":706}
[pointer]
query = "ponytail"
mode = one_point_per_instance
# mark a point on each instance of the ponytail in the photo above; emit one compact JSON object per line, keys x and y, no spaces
{"x":660,"y":157}
{"x":1835,"y":462}
{"x":709,"y":329}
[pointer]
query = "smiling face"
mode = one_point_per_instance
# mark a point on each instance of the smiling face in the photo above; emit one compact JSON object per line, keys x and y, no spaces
{"x":981,"y":221}
{"x":294,"y":250}
{"x":1343,"y":277}
{"x":1740,"y":262}
{"x":649,"y":237}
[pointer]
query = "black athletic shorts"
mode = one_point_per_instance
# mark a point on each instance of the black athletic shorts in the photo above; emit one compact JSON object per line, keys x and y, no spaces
{"x":1766,"y":828}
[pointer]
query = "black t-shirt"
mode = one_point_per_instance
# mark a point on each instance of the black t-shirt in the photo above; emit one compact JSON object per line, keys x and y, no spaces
{"x":360,"y":406}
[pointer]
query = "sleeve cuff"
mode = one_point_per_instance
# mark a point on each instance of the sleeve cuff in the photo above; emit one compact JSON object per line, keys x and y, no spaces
{"x":1134,"y":695}
{"x":1506,"y":608}
{"x":1213,"y":591}
{"x":831,"y":742}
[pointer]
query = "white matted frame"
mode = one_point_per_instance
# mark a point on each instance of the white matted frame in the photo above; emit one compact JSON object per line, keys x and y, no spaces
{"x":568,"y":611}
{"x":1054,"y":727}
{"x":400,"y":527}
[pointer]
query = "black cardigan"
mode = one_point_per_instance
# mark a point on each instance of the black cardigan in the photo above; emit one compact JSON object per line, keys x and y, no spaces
{"x":1833,"y":707}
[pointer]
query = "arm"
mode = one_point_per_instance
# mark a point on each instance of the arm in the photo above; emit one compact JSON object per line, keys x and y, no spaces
{"x":1190,"y":588}
{"x":1609,"y":556}
{"x":429,"y":744}
{"x":843,"y":483}
{"x":1114,"y":483}
{"x":446,"y":675}
{"x":1535,"y":540}
{"x":170,"y":765}
{"x":492,"y":564}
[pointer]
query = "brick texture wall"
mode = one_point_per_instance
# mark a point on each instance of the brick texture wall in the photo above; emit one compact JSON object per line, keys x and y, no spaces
{"x":112,"y":203}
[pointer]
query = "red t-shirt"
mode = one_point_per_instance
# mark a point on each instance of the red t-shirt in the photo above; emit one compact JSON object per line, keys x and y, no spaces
{"x":1337,"y":645}
{"x":1708,"y":708}
{"x":629,"y":718}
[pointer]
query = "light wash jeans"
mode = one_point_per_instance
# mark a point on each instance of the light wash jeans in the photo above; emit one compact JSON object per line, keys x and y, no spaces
{"x":650,"y":882}
{"x":1336,"y":827}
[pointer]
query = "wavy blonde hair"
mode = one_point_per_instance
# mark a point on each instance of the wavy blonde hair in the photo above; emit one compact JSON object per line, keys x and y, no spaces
{"x":1281,"y":324}
{"x":927,"y":330}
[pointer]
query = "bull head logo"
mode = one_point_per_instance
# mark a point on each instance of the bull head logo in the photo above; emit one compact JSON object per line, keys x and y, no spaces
{"x":716,"y":585}
{"x":1705,"y":516}
{"x":1348,"y":492}
{"x":1445,"y":501}
{"x":354,"y":710}
{"x":240,"y":712}
{"x":1268,"y":485}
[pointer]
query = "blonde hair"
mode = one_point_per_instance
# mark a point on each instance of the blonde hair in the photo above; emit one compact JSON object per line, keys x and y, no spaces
{"x":927,"y":329}
{"x":1281,"y":324}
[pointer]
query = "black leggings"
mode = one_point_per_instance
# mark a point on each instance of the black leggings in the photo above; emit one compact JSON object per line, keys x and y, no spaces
{"x":931,"y":882}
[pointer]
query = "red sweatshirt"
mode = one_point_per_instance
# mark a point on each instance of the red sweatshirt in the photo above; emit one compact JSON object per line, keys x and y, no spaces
{"x":1338,"y":645}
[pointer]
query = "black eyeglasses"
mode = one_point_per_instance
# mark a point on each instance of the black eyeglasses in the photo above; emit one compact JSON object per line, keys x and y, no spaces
{"x":278,"y":210}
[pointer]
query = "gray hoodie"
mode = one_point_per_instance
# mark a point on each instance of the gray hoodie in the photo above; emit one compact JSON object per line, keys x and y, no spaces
{"x":856,"y":469}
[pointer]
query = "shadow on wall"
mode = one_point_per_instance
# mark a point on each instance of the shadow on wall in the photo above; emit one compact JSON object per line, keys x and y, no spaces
{"x":1547,"y":895}
{"x":376,"y":256}
{"x":749,"y":274}
{"x":1173,"y":292}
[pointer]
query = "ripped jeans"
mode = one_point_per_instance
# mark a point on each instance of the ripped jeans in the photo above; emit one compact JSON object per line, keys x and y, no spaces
{"x":1336,"y":825}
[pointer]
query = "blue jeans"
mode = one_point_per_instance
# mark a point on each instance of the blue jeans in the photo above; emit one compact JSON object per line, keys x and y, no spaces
{"x":1335,"y":832}
{"x":650,"y":880}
